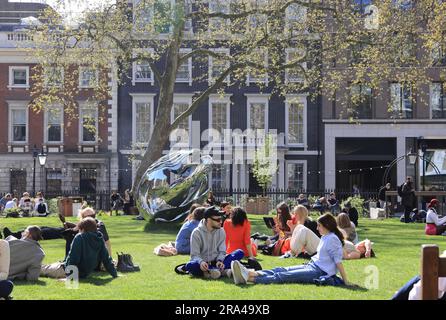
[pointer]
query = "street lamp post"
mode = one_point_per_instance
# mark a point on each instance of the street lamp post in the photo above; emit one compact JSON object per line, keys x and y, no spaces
{"x":42,"y":160}
{"x":423,"y":147}
{"x":413,"y":161}
{"x":35,"y":154}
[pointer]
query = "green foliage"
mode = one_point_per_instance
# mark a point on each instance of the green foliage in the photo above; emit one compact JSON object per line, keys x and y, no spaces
{"x":52,"y":205}
{"x":356,"y":202}
{"x":265,"y":163}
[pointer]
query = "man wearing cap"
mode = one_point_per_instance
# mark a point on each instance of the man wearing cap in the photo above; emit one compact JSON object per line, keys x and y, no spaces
{"x":434,"y":224}
{"x":208,"y":248}
{"x":26,"y":255}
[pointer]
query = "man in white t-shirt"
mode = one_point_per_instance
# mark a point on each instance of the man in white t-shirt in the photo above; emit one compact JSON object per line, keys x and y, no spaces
{"x":11,"y":204}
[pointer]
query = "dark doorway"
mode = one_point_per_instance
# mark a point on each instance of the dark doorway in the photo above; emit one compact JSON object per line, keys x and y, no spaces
{"x":363,"y":161}
{"x":254,"y":188}
{"x":18,"y":182}
{"x":87,"y":183}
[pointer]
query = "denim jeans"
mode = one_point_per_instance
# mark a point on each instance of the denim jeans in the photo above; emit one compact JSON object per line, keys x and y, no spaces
{"x":194,"y":267}
{"x":6,"y":287}
{"x":305,"y":273}
{"x":403,"y":292}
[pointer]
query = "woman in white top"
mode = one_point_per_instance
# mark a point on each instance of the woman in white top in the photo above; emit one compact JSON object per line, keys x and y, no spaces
{"x":302,"y":239}
{"x":434,"y":224}
{"x":5,"y":285}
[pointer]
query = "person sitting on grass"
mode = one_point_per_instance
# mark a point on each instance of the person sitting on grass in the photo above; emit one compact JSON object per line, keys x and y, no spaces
{"x":6,"y":285}
{"x":227,"y":209}
{"x":352,"y":213}
{"x":182,"y":241}
{"x":301,"y":199}
{"x":434,"y":224}
{"x":26,"y":255}
{"x":303,"y":242}
{"x":321,"y":205}
{"x":348,"y":227}
{"x":321,"y":269}
{"x":41,"y":207}
{"x":68,"y":231}
{"x":87,"y":252}
{"x":238,"y":233}
{"x":360,"y":250}
{"x":208,"y":256}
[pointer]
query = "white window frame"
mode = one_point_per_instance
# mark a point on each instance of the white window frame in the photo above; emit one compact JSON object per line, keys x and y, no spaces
{"x":257,"y":98}
{"x":189,"y":62}
{"x":211,"y":65}
{"x":289,"y":18}
{"x":431,"y":89}
{"x":224,"y":22}
{"x":215,"y":98}
{"x":142,"y":98}
{"x":265,"y":80}
{"x":228,"y":173}
{"x":401,"y":87}
{"x":11,"y":77}
{"x":82,"y":107}
{"x":134,"y":66}
{"x":304,"y":173}
{"x":186,"y":99}
{"x":303,"y":64}
{"x":45,"y":128}
{"x":289,"y":99}
{"x":17,"y":105}
{"x":62,"y":80}
{"x":96,"y":79}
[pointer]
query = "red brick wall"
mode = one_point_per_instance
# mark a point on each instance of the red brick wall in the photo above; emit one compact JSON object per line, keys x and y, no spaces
{"x":36,"y":120}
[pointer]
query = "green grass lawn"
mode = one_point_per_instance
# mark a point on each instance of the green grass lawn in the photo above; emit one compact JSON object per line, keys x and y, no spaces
{"x":397,"y":247}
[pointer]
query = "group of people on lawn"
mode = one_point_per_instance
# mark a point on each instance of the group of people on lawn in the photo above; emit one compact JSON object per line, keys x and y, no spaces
{"x":217,"y":240}
{"x":25,"y":206}
{"x":87,"y":248}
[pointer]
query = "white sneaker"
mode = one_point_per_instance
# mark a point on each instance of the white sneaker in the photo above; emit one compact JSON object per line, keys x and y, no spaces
{"x":239,"y":272}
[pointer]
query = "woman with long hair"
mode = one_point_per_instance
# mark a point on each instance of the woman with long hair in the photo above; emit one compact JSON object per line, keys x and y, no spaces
{"x":282,"y":216}
{"x":347,"y":226}
{"x":238,"y":231}
{"x":321,"y":269}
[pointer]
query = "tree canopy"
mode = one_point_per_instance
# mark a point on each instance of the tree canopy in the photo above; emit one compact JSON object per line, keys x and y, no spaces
{"x":283,"y":46}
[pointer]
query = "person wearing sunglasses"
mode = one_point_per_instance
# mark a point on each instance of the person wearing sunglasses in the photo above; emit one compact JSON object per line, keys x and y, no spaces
{"x":208,"y":248}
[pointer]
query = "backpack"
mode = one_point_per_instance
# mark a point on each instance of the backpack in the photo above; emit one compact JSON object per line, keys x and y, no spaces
{"x":41,"y":208}
{"x":400,"y":190}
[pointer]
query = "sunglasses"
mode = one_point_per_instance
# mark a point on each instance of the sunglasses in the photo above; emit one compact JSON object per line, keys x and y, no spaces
{"x":216,"y":219}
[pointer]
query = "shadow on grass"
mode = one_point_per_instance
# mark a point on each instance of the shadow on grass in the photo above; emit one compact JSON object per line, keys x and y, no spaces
{"x":27,"y":283}
{"x":162,"y":228}
{"x":97,"y":280}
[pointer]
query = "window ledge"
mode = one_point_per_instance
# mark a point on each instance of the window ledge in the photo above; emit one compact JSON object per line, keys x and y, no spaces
{"x":10,"y":87}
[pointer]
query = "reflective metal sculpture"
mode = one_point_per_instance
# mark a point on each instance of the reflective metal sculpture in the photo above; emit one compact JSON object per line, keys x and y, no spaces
{"x":172,"y":184}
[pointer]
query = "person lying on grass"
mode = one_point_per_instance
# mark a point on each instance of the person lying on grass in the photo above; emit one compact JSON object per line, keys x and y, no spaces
{"x":321,"y":269}
{"x":360,"y":250}
{"x":87,"y":252}
{"x":68,"y":231}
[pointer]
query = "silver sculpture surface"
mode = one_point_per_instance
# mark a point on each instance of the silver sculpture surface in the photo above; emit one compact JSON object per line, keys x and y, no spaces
{"x":172,"y":184}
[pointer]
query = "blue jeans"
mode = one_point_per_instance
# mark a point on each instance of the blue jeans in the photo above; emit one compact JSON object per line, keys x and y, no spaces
{"x":194,"y":267}
{"x":6,"y":287}
{"x":305,"y":273}
{"x":403,"y":292}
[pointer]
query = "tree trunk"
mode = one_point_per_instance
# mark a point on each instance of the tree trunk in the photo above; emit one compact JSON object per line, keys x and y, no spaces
{"x":161,"y":130}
